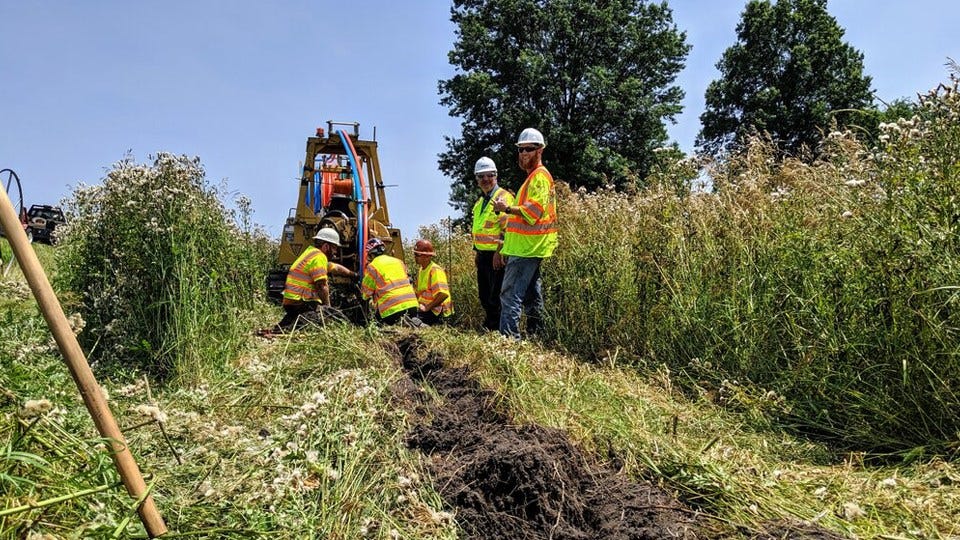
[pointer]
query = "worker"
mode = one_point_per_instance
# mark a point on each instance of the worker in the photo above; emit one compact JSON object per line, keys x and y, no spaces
{"x":385,"y":281}
{"x":529,"y":238}
{"x":433,"y":290}
{"x":307,"y":287}
{"x":488,"y":227}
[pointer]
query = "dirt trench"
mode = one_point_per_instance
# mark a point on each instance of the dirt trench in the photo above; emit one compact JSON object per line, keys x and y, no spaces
{"x":507,"y":481}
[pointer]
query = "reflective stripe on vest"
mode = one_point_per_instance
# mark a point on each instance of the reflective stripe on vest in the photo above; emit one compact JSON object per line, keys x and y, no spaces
{"x":385,"y":280}
{"x":488,"y":226}
{"x":309,"y":268}
{"x":533,"y":233}
{"x":430,"y":281}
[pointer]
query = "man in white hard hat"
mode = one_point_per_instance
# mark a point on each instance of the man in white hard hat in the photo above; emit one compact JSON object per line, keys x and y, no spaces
{"x":530,"y":237}
{"x":307,"y":288}
{"x":488,"y":227}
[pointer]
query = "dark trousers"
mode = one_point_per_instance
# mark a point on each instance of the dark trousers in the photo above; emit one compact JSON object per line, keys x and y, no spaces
{"x":394,"y":318}
{"x":489,"y":282}
{"x":292,"y":313}
{"x":430,"y":318}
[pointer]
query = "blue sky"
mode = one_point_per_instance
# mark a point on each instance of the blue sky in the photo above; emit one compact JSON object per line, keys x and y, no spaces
{"x":241,"y":84}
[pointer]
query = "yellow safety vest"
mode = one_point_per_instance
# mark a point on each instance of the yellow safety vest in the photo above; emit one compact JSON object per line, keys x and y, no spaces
{"x":385,"y":280}
{"x":533,"y":233}
{"x":430,"y":281}
{"x":488,"y":226}
{"x":310,"y":268}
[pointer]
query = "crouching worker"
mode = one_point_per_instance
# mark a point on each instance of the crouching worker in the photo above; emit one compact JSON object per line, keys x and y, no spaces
{"x":307,"y":288}
{"x":433,"y":291}
{"x":386,"y":283}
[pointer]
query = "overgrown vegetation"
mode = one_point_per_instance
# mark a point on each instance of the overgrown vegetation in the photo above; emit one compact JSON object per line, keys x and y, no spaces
{"x":163,"y":271}
{"x":826,"y":291}
{"x":817,"y":297}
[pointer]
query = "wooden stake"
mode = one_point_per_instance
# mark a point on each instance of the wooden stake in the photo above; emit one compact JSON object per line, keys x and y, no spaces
{"x":79,"y":368}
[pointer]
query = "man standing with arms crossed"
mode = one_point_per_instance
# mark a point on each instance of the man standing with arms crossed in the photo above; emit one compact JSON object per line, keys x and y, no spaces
{"x":530,"y":237}
{"x":488,"y":228}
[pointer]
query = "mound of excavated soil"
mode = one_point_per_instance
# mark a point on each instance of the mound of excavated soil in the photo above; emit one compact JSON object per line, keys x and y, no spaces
{"x":524,"y":482}
{"x":508,"y":482}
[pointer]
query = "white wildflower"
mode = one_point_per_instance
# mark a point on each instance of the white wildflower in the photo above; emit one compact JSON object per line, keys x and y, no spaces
{"x":404,"y":482}
{"x":312,"y":456}
{"x":441,"y":518}
{"x":131,"y":389}
{"x":33,"y":535}
{"x":847,"y":214}
{"x":76,"y":323}
{"x":888,"y":482}
{"x":331,"y":473}
{"x":820,"y":492}
{"x":855,"y":182}
{"x":35,"y":407}
{"x":852,"y":511}
{"x":153,"y":412}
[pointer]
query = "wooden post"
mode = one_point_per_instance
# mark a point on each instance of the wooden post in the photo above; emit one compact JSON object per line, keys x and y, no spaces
{"x":79,"y":368}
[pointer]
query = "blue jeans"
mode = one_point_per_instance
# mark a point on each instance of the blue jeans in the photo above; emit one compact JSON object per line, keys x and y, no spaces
{"x":521,"y":287}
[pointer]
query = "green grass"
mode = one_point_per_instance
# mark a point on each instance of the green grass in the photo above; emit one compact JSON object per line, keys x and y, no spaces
{"x":297,"y":436}
{"x":301,"y":433}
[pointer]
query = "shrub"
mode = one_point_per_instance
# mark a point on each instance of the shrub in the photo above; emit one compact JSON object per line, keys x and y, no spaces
{"x":162,"y":268}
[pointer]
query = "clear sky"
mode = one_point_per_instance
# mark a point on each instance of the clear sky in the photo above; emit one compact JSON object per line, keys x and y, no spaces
{"x":242,"y":84}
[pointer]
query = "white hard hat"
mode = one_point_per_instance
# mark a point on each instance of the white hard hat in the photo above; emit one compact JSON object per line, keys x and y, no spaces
{"x":531,"y":136}
{"x":328,"y":235}
{"x":483,"y":165}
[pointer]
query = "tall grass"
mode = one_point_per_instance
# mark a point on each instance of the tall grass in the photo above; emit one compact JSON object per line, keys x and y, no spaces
{"x":830,"y":290}
{"x":164,"y":271}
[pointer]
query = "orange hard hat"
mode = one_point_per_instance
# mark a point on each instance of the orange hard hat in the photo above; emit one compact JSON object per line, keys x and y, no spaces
{"x":423,"y":247}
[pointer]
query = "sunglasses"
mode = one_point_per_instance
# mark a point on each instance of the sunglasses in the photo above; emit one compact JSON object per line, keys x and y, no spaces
{"x":485,"y":176}
{"x":525,"y":149}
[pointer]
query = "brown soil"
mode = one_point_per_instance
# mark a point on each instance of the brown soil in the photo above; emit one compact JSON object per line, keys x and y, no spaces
{"x":507,"y":481}
{"x":524,"y":482}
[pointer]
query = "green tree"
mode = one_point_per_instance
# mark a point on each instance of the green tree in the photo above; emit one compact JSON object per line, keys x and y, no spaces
{"x":789,"y":75}
{"x":594,"y":76}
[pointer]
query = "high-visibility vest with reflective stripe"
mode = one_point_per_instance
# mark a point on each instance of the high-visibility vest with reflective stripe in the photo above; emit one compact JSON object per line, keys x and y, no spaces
{"x":487,"y":224}
{"x":533,"y":233}
{"x":305,"y":273}
{"x":430,"y":281}
{"x":385,"y":280}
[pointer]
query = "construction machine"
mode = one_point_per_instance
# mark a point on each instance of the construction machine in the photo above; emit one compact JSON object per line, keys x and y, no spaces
{"x":340,"y":187}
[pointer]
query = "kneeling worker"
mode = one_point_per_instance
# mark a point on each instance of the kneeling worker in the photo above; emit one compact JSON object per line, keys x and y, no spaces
{"x":433,"y":291}
{"x":307,"y":287}
{"x":386,"y":282}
